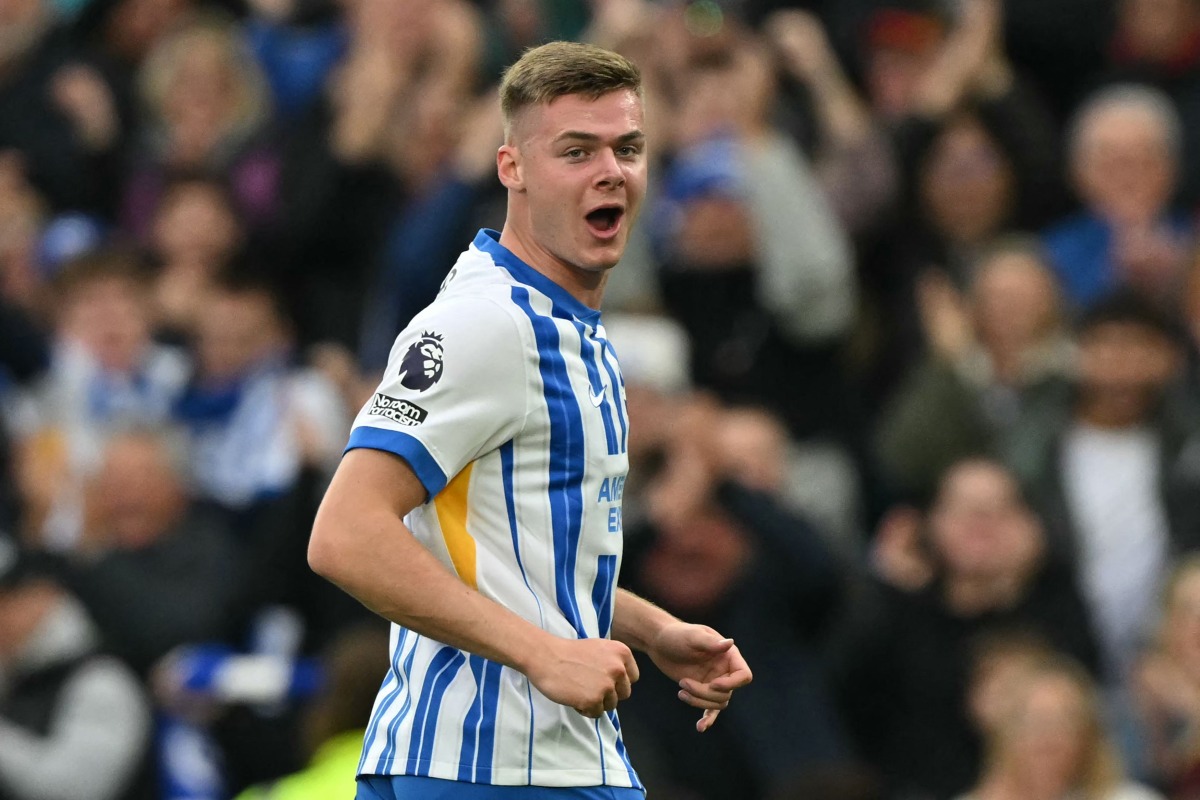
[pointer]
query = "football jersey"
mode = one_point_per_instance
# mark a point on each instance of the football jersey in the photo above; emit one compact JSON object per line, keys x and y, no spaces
{"x":506,"y":400}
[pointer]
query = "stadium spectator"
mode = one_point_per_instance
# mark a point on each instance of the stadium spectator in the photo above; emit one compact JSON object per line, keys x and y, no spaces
{"x":124,"y":32}
{"x":841,"y":244}
{"x":720,"y":548}
{"x":976,"y":152}
{"x":387,"y":119}
{"x":962,"y":79}
{"x":1050,"y":742}
{"x":60,"y":118}
{"x":853,"y":159}
{"x":754,"y":264}
{"x":1107,"y":462}
{"x":1157,"y":42}
{"x":977,"y":566}
{"x":254,"y":419}
{"x":991,"y":354}
{"x":335,"y":723}
{"x":1166,"y":686}
{"x":153,"y":569}
{"x":74,"y":723}
{"x":105,"y":371}
{"x":514,"y":25}
{"x":998,"y":663}
{"x":196,"y":234}
{"x":297,"y":44}
{"x":23,"y":216}
{"x":446,"y":188}
{"x":207,"y":110}
{"x":1124,"y":149}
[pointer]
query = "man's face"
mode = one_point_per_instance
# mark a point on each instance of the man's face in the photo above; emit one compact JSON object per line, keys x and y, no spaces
{"x":1124,"y":167}
{"x":1125,"y":366}
{"x":110,"y":317}
{"x":576,"y":172}
{"x":138,"y":496}
{"x":236,"y":332}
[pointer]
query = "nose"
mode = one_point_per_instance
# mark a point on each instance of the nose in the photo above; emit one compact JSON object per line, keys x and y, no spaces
{"x":609,"y":174}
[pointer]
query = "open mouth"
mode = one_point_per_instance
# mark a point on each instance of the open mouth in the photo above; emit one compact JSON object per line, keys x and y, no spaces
{"x":605,"y":220}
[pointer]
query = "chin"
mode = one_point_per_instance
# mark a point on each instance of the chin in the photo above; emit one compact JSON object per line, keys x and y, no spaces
{"x":597,"y":263}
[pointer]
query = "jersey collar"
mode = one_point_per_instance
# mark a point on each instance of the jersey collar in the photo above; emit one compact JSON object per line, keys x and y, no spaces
{"x":488,"y":241}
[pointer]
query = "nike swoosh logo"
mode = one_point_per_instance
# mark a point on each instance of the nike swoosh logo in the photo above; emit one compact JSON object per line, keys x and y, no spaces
{"x":597,"y":399}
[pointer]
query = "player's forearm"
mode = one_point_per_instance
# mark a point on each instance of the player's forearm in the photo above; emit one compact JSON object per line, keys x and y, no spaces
{"x":377,"y":560}
{"x":637,"y":621}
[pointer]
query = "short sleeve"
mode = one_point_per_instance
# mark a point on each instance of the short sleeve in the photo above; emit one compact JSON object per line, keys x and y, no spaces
{"x":455,"y":388}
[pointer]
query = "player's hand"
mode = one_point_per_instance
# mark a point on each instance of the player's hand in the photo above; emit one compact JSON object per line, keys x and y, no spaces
{"x":707,"y":666}
{"x":589,"y":675}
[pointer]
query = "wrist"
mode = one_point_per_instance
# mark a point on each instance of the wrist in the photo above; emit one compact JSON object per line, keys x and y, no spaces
{"x":639,"y":623}
{"x":532,"y":651}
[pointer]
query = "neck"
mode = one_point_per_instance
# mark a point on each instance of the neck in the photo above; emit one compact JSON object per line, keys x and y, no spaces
{"x":586,"y":286}
{"x":1108,"y":416}
{"x":1010,"y":786}
{"x":974,"y":595}
{"x":1006,"y":362}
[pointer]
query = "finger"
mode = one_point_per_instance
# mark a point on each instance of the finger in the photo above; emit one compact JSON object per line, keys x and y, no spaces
{"x":697,"y":702}
{"x":593,"y":711}
{"x":610,"y":700}
{"x":624,"y":688}
{"x":706,"y":720}
{"x":704,"y":691}
{"x":709,"y":641}
{"x":734,"y":680}
{"x":631,"y":667}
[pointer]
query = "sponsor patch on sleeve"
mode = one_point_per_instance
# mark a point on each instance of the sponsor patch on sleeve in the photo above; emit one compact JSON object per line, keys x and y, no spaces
{"x":401,"y":412}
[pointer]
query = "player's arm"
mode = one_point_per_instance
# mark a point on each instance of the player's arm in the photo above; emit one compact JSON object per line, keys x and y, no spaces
{"x":707,"y":666}
{"x":359,"y":541}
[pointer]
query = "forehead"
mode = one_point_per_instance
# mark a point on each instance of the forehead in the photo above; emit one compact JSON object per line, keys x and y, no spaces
{"x":1123,"y":125}
{"x":1006,"y":270}
{"x":1123,"y":332}
{"x":612,"y":114}
{"x":975,"y":481}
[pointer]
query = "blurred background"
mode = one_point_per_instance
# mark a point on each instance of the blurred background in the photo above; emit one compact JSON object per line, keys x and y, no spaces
{"x":910,"y":326}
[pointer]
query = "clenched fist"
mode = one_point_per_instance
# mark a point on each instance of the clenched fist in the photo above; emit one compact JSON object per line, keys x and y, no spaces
{"x":589,"y":675}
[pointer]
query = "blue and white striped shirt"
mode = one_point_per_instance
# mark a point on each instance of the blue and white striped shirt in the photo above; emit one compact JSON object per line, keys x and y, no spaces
{"x":507,"y":401}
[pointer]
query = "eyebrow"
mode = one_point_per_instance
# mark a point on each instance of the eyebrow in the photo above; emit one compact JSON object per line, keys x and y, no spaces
{"x":584,"y":136}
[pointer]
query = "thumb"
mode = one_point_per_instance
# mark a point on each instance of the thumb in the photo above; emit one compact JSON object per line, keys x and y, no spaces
{"x":710,"y":641}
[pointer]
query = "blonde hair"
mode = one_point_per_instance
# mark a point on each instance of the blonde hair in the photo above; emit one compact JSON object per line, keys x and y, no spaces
{"x":1099,"y":771}
{"x":562,"y":68}
{"x":1135,"y":97}
{"x":251,"y":100}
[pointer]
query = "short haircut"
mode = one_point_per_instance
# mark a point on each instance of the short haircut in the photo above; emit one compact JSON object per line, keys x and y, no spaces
{"x":1134,"y":97}
{"x":1016,"y":641}
{"x":170,"y":439}
{"x":1025,"y":245}
{"x":1126,"y":307}
{"x":244,"y":278}
{"x":553,"y":70}
{"x":113,"y":263}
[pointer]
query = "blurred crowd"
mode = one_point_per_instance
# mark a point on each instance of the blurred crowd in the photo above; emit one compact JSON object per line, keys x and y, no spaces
{"x":910,"y":327}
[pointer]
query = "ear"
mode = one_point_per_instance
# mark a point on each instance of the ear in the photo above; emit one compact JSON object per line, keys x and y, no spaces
{"x":508,"y":167}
